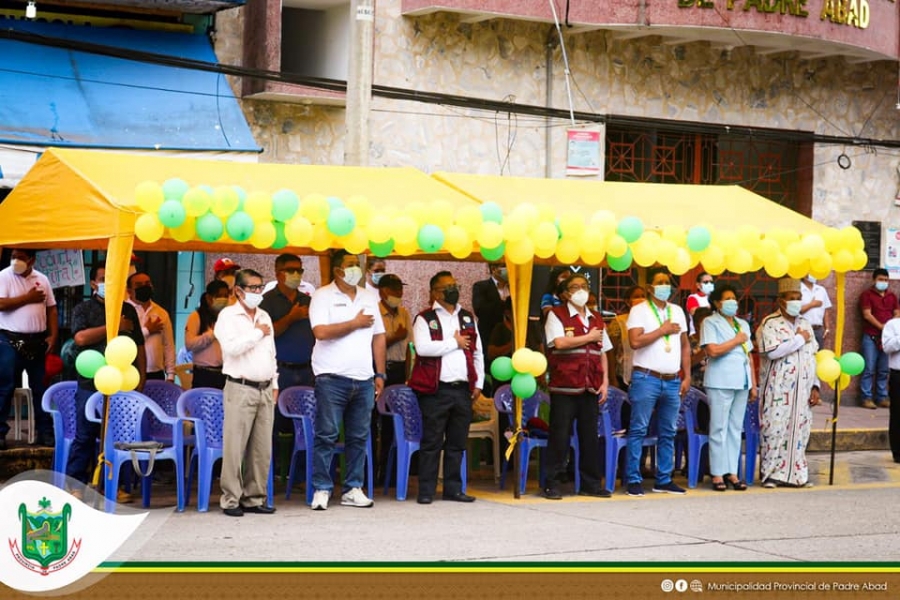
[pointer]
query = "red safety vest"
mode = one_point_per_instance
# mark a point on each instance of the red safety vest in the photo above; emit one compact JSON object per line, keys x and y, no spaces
{"x":576,"y":370}
{"x":426,"y":373}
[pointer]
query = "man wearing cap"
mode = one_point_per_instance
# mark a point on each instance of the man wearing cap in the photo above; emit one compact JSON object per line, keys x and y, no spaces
{"x":788,"y":387}
{"x":397,"y":333}
{"x":447,"y":377}
{"x":244,"y":332}
{"x":28,"y":330}
{"x":660,"y":377}
{"x":878,"y":305}
{"x":224,"y":270}
{"x":159,"y":339}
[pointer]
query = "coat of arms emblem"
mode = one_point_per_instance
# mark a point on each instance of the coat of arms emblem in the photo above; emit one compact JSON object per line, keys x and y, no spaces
{"x":44,"y":542}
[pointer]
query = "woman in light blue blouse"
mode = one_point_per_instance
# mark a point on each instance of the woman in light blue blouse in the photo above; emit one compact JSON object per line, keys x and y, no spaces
{"x":729,"y":381}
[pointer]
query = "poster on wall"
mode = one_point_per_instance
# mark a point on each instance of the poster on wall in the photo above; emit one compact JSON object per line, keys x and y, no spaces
{"x":583,"y":157}
{"x":63,"y":268}
{"x":892,"y":253}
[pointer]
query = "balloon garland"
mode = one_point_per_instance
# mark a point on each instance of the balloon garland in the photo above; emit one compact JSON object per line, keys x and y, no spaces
{"x":836,"y":372}
{"x":111,"y":371}
{"x":529,"y":231}
{"x":520,"y":370}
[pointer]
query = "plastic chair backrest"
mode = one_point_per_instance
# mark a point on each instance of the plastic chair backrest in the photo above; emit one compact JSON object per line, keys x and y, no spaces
{"x":205,"y":405}
{"x":297,"y":402}
{"x":61,"y":398}
{"x":503,"y":402}
{"x":615,"y":399}
{"x":402,"y":401}
{"x":690,"y":404}
{"x":503,"y":399}
{"x":126,"y":411}
{"x":165,"y":394}
{"x":751,"y":417}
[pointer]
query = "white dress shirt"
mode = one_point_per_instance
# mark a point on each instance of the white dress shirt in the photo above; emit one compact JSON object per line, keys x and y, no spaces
{"x":654,"y":356}
{"x":246,"y":352}
{"x":30,"y":318}
{"x":553,"y":328}
{"x":890,"y":340}
{"x":453,"y":359}
{"x":159,"y":346}
{"x":349,"y":356}
{"x":816,"y":316}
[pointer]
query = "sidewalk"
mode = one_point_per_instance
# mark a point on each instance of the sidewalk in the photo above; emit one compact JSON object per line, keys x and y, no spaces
{"x":857,"y":428}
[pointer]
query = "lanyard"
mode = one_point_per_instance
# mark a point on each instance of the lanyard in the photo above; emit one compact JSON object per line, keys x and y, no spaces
{"x":659,"y":319}
{"x":737,"y":329}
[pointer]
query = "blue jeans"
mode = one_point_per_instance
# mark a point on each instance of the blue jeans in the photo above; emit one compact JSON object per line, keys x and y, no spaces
{"x":647,"y":393}
{"x":877,"y":367}
{"x":11,"y":366}
{"x":339,"y":398}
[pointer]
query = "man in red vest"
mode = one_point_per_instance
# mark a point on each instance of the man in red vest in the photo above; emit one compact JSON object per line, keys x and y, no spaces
{"x":577,"y":344}
{"x":447,"y":377}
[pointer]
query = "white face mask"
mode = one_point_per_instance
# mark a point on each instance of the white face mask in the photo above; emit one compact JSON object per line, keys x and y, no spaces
{"x":252,"y":300}
{"x":792,"y":307}
{"x":579,"y":298}
{"x":352,"y":275}
{"x":707,"y":288}
{"x":376,"y":277}
{"x":393,"y":301}
{"x":293,"y":281}
{"x":18,"y":266}
{"x":101,"y":290}
{"x":229,"y":279}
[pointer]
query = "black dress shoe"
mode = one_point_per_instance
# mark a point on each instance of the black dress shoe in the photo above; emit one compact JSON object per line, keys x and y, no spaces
{"x":551,"y":493}
{"x":459,"y":497}
{"x":262,"y":509}
{"x":237,"y":511}
{"x":424,"y":499}
{"x":597,"y":493}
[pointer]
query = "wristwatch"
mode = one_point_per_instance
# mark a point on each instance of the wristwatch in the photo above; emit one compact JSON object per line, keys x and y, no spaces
{"x":381,"y":376}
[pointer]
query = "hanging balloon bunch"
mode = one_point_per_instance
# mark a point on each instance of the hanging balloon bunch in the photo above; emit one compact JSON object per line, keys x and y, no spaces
{"x":836,"y":372}
{"x":112,"y":371}
{"x":520,"y":370}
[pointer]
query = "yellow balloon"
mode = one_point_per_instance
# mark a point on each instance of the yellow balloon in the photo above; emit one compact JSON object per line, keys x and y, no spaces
{"x":616,"y":246}
{"x":149,"y":196}
{"x":860,"y":259}
{"x":196,"y":202}
{"x":362,"y":209}
{"x":546,"y":212}
{"x":567,"y":251}
{"x":666,"y":252}
{"x":186,"y":231}
{"x":418,"y":212}
{"x":515,"y":228}
{"x":592,"y":258}
{"x":681,"y":264}
{"x":441,"y":213}
{"x":713,"y":259}
{"x":545,"y":251}
{"x":130,"y":378}
{"x":405,"y":229}
{"x":843,"y":382}
{"x":851,"y":239}
{"x":259,"y":206}
{"x":263,"y":235}
{"x":603,"y":223}
{"x":520,"y":252}
{"x":795,"y":253}
{"x":521,"y":360}
{"x":457,"y":242}
{"x":828,"y":370}
{"x":571,"y":224}
{"x":225,"y":201}
{"x":538,"y":364}
{"x":491,"y":235}
{"x":148,"y":229}
{"x":767,"y":249}
{"x":469,"y":218}
{"x":739,"y":261}
{"x":675,"y":234}
{"x":108,"y":380}
{"x":406,"y":248}
{"x":544,"y":235}
{"x":832,"y":239}
{"x":356,"y":242}
{"x":777,"y":266}
{"x":591,"y":243}
{"x":321,"y":238}
{"x":379,"y":228}
{"x":821,"y":263}
{"x":813,"y":244}
{"x":314,"y":207}
{"x":824,"y":355}
{"x":120,"y":352}
{"x":299,"y":231}
{"x":528,"y":213}
{"x":843,"y":260}
{"x":726,"y":240}
{"x":748,"y":237}
{"x":799,"y":270}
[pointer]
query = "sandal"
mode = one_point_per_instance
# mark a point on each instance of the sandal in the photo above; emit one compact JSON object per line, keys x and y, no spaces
{"x":719,"y":486}
{"x":736,"y":484}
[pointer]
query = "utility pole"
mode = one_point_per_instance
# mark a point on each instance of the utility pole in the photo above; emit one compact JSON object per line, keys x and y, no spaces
{"x":359,"y":82}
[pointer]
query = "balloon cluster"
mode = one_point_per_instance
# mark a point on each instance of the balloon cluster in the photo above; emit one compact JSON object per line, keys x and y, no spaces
{"x":520,"y":370}
{"x":112,"y":371}
{"x":527,"y":232}
{"x":831,"y":369}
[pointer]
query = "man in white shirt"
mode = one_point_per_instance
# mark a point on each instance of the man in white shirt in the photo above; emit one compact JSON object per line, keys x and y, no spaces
{"x":159,"y":339}
{"x":447,"y":377}
{"x":375,"y":270}
{"x":890,"y":340}
{"x":661,"y":375}
{"x":28,"y":330}
{"x":350,"y":337}
{"x":816,"y":306}
{"x":245,"y":332}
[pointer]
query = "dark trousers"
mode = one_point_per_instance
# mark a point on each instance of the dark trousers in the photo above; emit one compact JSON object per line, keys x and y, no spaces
{"x":12,"y":363}
{"x":211,"y":378}
{"x":446,"y":416}
{"x":83,"y":450}
{"x":894,"y":422}
{"x":157,"y":375}
{"x":383,"y":425}
{"x":563,"y":411}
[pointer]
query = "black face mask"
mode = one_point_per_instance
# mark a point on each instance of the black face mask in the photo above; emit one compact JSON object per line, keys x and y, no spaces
{"x":143,"y":293}
{"x":451,"y":295}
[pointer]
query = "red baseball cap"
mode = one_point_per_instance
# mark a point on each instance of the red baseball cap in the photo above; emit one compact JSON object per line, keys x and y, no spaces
{"x":225,"y":264}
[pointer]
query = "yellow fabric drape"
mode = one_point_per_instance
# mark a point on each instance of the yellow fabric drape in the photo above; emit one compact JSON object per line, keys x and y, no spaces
{"x":520,"y":292}
{"x":839,"y":334}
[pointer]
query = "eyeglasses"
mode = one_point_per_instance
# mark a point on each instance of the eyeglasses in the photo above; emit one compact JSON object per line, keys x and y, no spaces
{"x":444,"y":289}
{"x":253,"y":288}
{"x":292,"y":271}
{"x":575,"y":288}
{"x":707,"y":281}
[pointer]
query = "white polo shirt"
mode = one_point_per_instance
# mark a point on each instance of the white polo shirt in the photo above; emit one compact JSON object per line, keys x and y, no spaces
{"x":654,"y":356}
{"x":30,"y":318}
{"x":815,"y":316}
{"x":349,"y":356}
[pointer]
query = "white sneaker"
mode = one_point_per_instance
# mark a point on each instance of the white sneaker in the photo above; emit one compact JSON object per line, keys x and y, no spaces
{"x":356,"y":497}
{"x":320,"y":500}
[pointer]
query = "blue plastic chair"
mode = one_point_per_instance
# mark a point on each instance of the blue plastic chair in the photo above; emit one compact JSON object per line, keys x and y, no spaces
{"x":126,"y":413}
{"x":203,"y":407}
{"x":59,"y":402}
{"x":614,"y":433}
{"x":696,"y":439}
{"x":751,"y":443}
{"x":298,"y":403}
{"x":166,"y":395}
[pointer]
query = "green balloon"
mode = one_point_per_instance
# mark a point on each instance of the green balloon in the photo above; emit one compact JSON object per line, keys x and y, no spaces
{"x":280,"y":239}
{"x":630,"y":228}
{"x":491,"y":211}
{"x":284,"y":205}
{"x":241,"y":194}
{"x":619,"y":263}
{"x":175,"y":188}
{"x":334,"y":202}
{"x":88,"y":362}
{"x":494,"y":254}
{"x":209,"y":227}
{"x":698,"y":238}
{"x":523,"y":385}
{"x":341,"y":221}
{"x":171,"y":213}
{"x":207,"y":188}
{"x":852,"y":363}
{"x":502,"y":369}
{"x":240,"y":226}
{"x":382,"y":249}
{"x":431,"y":238}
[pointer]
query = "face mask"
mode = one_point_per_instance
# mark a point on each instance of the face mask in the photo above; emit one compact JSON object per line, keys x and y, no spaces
{"x":729,"y":307}
{"x":18,"y":266}
{"x":352,"y":275}
{"x":662,"y":292}
{"x":451,"y":295}
{"x":143,"y":293}
{"x":219,"y":303}
{"x":252,"y":300}
{"x":503,"y":274}
{"x":579,"y":298}
{"x":293,"y":281}
{"x":881,"y":285}
{"x":393,"y":301}
{"x":707,"y":288}
{"x":101,"y":290}
{"x":229,"y":279}
{"x":811,"y":279}
{"x":792,"y":307}
{"x":376,"y":277}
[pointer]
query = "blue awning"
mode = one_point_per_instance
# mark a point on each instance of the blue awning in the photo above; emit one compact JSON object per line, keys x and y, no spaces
{"x":52,"y":96}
